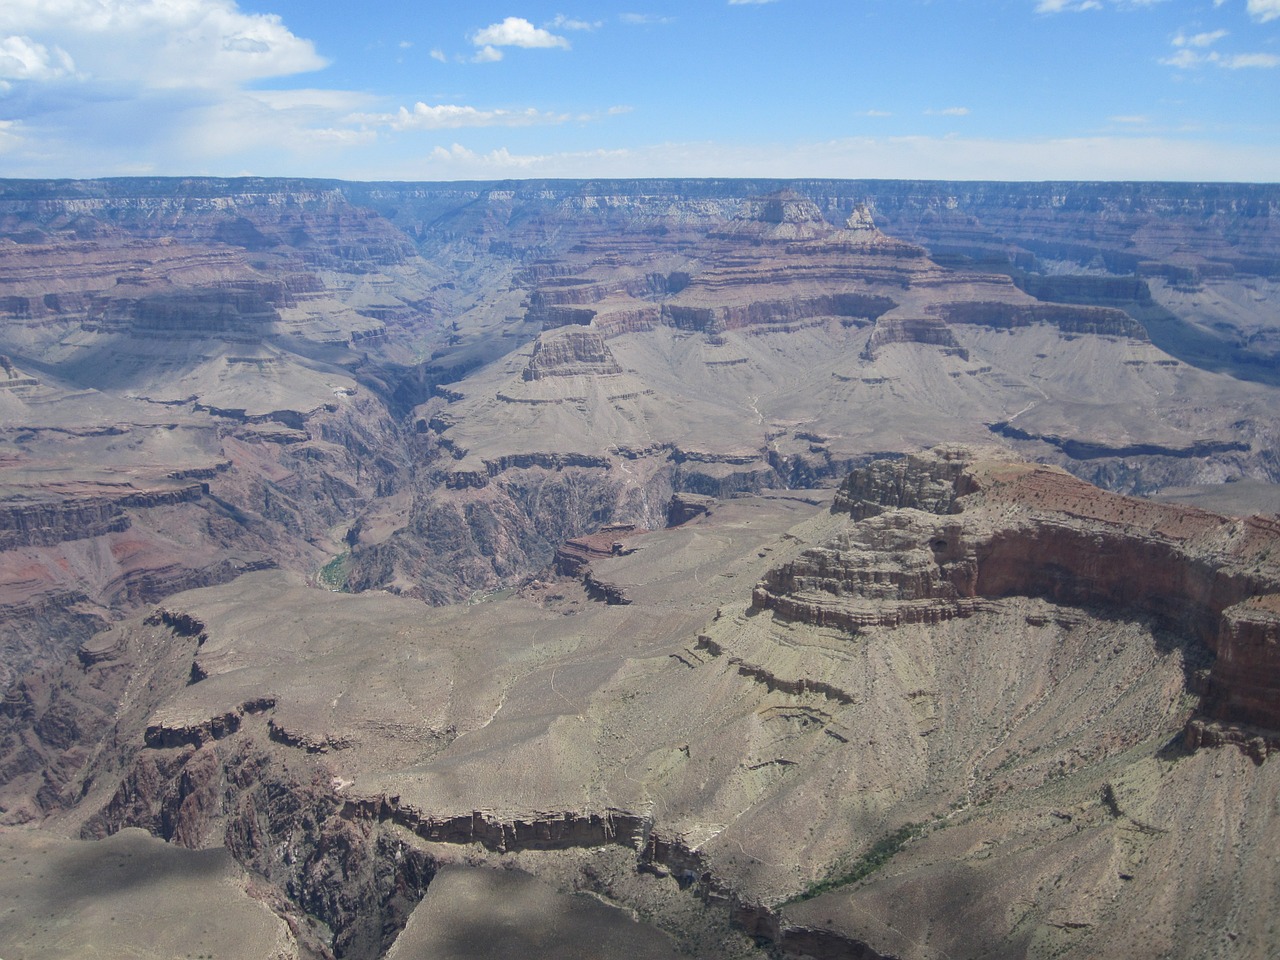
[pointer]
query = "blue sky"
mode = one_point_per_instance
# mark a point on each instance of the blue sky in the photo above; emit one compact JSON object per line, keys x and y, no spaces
{"x":939,"y":89}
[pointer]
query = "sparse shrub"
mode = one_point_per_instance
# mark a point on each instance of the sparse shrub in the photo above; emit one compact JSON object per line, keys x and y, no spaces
{"x":880,"y":853}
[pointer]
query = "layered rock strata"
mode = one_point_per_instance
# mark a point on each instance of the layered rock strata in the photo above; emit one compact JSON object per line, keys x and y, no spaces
{"x":573,"y":353}
{"x":944,"y":532}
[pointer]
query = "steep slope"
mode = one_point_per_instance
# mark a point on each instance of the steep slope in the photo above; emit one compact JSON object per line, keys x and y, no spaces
{"x":977,"y":707}
{"x":774,"y":349}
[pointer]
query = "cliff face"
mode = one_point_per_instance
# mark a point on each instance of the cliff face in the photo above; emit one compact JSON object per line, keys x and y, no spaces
{"x":574,"y":353}
{"x":439,"y":390}
{"x":735,"y":331}
{"x":943,"y":532}
{"x":656,"y":341}
{"x":921,"y":708}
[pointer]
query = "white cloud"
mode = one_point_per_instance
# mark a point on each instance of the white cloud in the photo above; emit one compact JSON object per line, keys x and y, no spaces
{"x":1135,"y":118}
{"x":1067,"y":6}
{"x":162,"y":43}
{"x":1184,"y":59}
{"x":22,"y":58}
{"x":924,"y":158}
{"x":487,"y":54}
{"x":1264,"y":10}
{"x":643,"y":19}
{"x":1199,"y":39}
{"x":288,"y":122}
{"x":561,"y":22}
{"x":949,"y":112}
{"x":328,"y":101}
{"x":447,"y":116}
{"x":876,"y":113}
{"x":500,"y":160}
{"x":517,"y":32}
{"x":9,"y":138}
{"x":438,"y":54}
{"x":1077,"y":6}
{"x":1188,"y":59}
{"x":1244,"y":61}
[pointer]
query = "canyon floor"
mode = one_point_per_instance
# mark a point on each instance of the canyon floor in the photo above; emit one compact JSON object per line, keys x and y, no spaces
{"x":728,"y":569}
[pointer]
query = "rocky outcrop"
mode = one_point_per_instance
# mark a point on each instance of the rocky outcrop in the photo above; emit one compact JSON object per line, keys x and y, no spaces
{"x":461,"y":479}
{"x":780,"y":217}
{"x":774,"y":313}
{"x":571,"y":353}
{"x":574,"y":558}
{"x":26,"y":524}
{"x":240,"y":313}
{"x":167,"y":734}
{"x":345,"y":884}
{"x":929,"y":482}
{"x":1078,"y":320}
{"x":684,"y":507}
{"x":575,"y":555}
{"x":1087,"y":289}
{"x":11,"y":378}
{"x":942,"y":535}
{"x":926,"y":330}
{"x":100,"y":510}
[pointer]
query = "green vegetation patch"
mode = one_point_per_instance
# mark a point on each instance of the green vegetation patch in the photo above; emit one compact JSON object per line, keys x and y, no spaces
{"x":880,"y":853}
{"x":333,"y":575}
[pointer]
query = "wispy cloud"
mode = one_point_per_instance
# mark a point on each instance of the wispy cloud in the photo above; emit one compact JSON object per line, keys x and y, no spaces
{"x":1086,"y":158}
{"x":948,"y":112}
{"x":1199,"y":39}
{"x":1192,"y":52}
{"x":1078,"y":6}
{"x":22,"y":58}
{"x":1188,"y":60}
{"x":1264,"y":10}
{"x":448,"y":116}
{"x":1246,"y":61}
{"x":1067,"y":6}
{"x":561,"y":22}
{"x":643,"y":19}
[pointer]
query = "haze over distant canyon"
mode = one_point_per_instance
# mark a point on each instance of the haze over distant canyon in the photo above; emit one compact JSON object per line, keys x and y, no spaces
{"x":724,"y":568}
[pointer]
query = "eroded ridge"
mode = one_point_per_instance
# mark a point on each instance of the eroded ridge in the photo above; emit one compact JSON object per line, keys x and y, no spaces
{"x":944,"y":532}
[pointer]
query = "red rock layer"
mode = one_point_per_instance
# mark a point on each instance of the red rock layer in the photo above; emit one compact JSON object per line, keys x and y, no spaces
{"x":1026,"y":530}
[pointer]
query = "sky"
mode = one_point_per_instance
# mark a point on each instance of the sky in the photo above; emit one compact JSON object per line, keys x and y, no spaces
{"x":428,"y":90}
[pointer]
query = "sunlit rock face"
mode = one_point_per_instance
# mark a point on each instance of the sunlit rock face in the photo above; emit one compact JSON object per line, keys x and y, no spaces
{"x":657,"y":583}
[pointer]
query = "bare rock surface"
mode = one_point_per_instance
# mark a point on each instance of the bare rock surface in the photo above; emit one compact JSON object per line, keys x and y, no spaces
{"x":979,"y":707}
{"x":901,"y":734}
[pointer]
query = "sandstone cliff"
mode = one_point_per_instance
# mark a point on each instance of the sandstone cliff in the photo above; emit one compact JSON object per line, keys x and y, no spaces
{"x":1007,"y":529}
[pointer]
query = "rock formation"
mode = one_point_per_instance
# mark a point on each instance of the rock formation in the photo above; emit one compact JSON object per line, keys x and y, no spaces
{"x":977,"y":708}
{"x":964,"y":646}
{"x":1009,"y":529}
{"x":573,"y":353}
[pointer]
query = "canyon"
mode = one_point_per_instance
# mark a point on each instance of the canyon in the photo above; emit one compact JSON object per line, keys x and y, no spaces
{"x":806,"y":568}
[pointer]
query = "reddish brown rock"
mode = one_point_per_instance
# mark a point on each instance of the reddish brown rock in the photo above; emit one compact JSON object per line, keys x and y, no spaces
{"x":1017,"y":529}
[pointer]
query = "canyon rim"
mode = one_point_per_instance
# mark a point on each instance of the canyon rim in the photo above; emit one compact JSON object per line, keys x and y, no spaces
{"x":725,"y":568}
